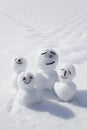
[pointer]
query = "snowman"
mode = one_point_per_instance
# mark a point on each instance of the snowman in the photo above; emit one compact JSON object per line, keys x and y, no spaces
{"x":47,"y":60}
{"x":19,"y":65}
{"x":66,"y":89}
{"x":27,"y":93}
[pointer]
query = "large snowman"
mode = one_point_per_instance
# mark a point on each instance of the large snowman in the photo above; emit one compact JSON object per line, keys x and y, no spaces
{"x":27,"y":93}
{"x":19,"y":65}
{"x":47,"y":60}
{"x":66,"y":89}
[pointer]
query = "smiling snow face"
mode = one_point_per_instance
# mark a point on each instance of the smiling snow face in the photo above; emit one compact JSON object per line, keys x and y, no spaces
{"x":26,"y":80}
{"x":67,"y":73}
{"x":19,"y":64}
{"x":47,"y":59}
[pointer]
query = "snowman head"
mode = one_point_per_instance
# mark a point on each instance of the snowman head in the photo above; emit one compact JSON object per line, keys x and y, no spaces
{"x":26,"y":80}
{"x":47,"y":59}
{"x":19,"y":64}
{"x":67,"y":73}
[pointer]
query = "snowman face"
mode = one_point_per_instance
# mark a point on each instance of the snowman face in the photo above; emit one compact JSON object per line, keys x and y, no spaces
{"x":26,"y":80}
{"x":47,"y":59}
{"x":19,"y":64}
{"x":67,"y":73}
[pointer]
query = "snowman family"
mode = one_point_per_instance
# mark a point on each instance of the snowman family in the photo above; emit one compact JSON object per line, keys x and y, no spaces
{"x":27,"y":85}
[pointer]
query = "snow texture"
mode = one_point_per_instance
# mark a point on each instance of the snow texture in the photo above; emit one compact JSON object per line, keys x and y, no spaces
{"x":26,"y":26}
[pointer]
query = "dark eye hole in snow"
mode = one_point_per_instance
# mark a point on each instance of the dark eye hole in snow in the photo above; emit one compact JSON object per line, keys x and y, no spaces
{"x":24,"y":78}
{"x":43,"y":53}
{"x":52,"y":52}
{"x":31,"y":77}
{"x":19,"y":60}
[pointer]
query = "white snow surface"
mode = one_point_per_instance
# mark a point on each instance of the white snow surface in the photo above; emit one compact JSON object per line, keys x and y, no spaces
{"x":27,"y":26}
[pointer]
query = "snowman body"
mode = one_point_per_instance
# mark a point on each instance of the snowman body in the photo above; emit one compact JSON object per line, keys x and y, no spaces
{"x":47,"y":60}
{"x":46,"y":80}
{"x":27,"y":93}
{"x":28,"y":97}
{"x":19,"y":65}
{"x":66,"y":89}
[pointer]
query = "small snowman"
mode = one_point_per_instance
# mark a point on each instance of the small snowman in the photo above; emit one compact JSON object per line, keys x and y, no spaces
{"x":27,"y":93}
{"x":47,"y":60}
{"x":19,"y":65}
{"x":66,"y":89}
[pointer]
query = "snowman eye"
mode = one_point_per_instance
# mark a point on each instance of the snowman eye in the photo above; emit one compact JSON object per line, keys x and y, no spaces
{"x":19,"y":60}
{"x":24,"y":78}
{"x":52,"y":52}
{"x":43,"y":53}
{"x":69,"y":72}
{"x":31,"y":77}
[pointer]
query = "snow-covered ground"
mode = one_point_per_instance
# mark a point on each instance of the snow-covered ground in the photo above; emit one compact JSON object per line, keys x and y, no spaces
{"x":25,"y":27}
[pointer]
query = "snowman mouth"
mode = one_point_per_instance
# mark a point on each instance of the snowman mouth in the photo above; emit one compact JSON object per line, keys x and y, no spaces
{"x":27,"y":82}
{"x":50,"y":63}
{"x":64,"y":77}
{"x":19,"y":62}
